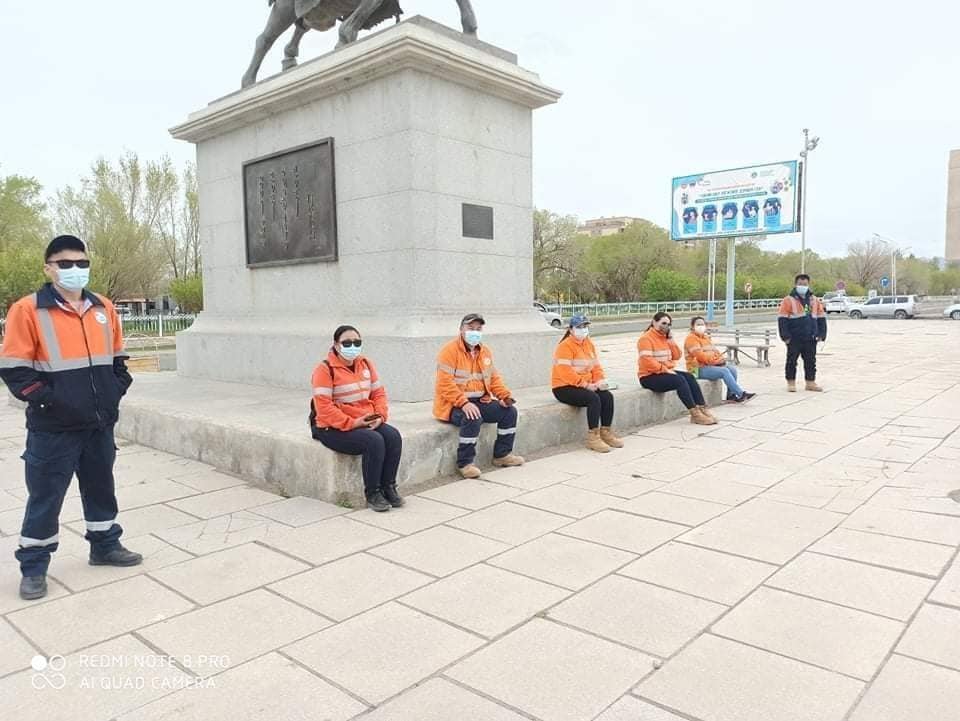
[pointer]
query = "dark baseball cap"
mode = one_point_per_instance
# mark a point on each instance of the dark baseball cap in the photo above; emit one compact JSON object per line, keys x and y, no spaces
{"x":471,"y":317}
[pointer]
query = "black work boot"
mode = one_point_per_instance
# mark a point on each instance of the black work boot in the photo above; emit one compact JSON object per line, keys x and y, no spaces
{"x":119,"y":556}
{"x":393,"y":498}
{"x":33,"y":587}
{"x":376,"y":502}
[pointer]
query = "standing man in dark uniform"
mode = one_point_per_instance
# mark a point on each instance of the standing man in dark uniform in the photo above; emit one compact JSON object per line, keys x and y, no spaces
{"x":63,"y":355}
{"x":802,"y":324}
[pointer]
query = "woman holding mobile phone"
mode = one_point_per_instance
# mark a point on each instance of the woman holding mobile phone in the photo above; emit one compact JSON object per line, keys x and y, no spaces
{"x":658,"y":355}
{"x":578,"y":380}
{"x":349,"y":413}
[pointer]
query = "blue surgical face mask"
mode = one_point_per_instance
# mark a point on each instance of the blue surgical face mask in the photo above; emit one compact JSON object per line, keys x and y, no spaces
{"x":350,"y":353}
{"x":802,"y":289}
{"x":580,"y":333}
{"x":73,"y":278}
{"x":473,"y":337}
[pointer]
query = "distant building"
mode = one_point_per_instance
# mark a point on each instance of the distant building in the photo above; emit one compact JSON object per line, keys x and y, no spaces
{"x":605,"y":226}
{"x":952,"y":253}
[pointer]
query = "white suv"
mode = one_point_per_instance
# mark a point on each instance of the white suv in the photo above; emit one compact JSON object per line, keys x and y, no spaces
{"x":552,"y":318}
{"x":900,"y":307}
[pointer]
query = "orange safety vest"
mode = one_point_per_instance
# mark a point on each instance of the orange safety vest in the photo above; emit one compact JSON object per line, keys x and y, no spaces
{"x":575,"y":363}
{"x":68,"y":365}
{"x":463,"y":376}
{"x":656,"y":354}
{"x":343,"y":393}
{"x":700,"y":351}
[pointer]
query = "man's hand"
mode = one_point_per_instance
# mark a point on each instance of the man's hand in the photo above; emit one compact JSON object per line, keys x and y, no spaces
{"x":471,"y":411}
{"x":360,"y":422}
{"x":592,"y":387}
{"x":602,"y":386}
{"x":375,"y":423}
{"x":507,"y":402}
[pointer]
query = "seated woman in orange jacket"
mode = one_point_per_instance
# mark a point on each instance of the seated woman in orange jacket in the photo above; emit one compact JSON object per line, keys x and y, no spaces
{"x":349,"y":415}
{"x":578,"y":380}
{"x":705,"y":361}
{"x":658,"y":356}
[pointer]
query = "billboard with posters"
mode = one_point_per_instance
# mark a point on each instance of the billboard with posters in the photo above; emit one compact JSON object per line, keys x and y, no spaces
{"x":758,"y":200}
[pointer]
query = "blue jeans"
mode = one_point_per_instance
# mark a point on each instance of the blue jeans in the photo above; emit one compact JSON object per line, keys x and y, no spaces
{"x":727,"y":374}
{"x":492,"y":412}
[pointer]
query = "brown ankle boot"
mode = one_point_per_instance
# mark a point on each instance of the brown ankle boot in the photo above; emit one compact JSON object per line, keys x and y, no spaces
{"x":697,"y":417}
{"x":608,"y":437}
{"x":595,"y":442}
{"x":707,"y":413}
{"x":812,"y":386}
{"x":792,"y":386}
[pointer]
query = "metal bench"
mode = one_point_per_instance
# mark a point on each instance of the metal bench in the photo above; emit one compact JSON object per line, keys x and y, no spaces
{"x":754,"y":344}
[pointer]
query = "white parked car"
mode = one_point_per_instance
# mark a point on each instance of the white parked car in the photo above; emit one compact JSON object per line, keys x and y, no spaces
{"x":837,"y":304}
{"x":552,"y":318}
{"x":900,"y":307}
{"x":952,"y":311}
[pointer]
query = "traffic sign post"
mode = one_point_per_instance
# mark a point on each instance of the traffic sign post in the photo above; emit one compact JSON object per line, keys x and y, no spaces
{"x":885,"y":282}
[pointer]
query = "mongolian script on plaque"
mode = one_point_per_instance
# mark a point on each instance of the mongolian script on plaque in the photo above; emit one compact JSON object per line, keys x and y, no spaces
{"x":290,"y":206}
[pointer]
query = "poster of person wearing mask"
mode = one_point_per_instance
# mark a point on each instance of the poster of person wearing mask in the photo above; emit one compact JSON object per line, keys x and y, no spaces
{"x":764,"y":196}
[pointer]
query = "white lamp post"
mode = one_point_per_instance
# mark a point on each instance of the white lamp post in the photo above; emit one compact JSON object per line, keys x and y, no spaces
{"x":809,"y":144}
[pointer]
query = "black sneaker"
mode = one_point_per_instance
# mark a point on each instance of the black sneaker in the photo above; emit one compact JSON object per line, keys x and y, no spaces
{"x":744,"y":397}
{"x":33,"y":587}
{"x":376,"y":502}
{"x":393,"y":498}
{"x":119,"y":556}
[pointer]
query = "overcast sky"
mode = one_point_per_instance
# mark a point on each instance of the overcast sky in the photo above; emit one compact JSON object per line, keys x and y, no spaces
{"x":652,"y":90}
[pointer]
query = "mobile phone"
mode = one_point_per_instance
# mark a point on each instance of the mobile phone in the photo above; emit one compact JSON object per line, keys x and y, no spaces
{"x":372,"y":417}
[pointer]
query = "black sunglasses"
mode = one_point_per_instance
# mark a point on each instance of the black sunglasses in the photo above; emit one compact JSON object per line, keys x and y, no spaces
{"x":351,"y":343}
{"x":67,"y":264}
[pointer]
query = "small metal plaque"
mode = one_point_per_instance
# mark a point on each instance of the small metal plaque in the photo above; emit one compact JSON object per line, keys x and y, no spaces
{"x":477,"y":221}
{"x":290,"y":206}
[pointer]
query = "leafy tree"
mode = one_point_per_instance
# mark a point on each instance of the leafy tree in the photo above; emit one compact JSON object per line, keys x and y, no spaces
{"x":24,"y":232}
{"x":555,"y":252}
{"x":663,"y":284}
{"x":187,"y":292}
{"x":116,"y":211}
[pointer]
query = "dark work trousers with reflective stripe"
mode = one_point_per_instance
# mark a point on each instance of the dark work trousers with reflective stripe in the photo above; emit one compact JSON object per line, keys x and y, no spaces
{"x":51,"y":460}
{"x":493,"y":412}
{"x":807,"y":349}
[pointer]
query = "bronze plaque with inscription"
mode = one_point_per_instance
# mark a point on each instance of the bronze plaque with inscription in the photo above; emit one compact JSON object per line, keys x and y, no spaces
{"x":290,"y":206}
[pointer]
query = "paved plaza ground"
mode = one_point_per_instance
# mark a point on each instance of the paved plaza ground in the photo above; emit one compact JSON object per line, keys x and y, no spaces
{"x":797,"y":562}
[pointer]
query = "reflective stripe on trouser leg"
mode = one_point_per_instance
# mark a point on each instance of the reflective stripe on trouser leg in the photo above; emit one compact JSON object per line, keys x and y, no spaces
{"x":467,"y":439}
{"x":50,"y":459}
{"x":506,"y":431}
{"x":95,"y":477}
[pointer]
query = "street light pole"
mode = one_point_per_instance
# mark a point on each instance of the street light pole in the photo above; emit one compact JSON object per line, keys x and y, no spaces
{"x":894,"y":251}
{"x":809,"y":144}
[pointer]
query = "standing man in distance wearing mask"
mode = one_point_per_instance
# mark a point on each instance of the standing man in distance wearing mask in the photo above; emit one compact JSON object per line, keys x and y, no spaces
{"x":63,"y":355}
{"x":802,"y":324}
{"x":469,"y":392}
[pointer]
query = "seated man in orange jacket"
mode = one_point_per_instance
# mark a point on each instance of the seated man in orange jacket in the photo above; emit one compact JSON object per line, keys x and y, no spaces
{"x":470,"y":392}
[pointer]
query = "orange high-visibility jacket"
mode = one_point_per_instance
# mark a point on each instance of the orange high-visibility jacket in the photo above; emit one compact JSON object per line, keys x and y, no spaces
{"x":575,"y":363}
{"x":464,"y":376}
{"x":657,"y":354}
{"x":69,"y":366}
{"x":342,"y":393}
{"x":699,"y":350}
